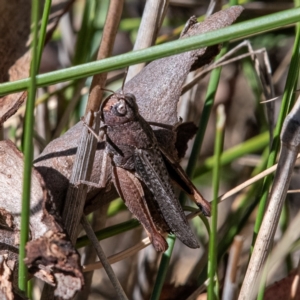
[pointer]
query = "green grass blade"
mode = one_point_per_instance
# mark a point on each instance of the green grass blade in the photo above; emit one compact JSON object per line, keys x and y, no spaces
{"x":237,"y":219}
{"x":252,"y":145}
{"x":28,"y":149}
{"x":108,"y":232}
{"x":213,"y":238}
{"x":43,"y":31}
{"x":84,"y":36}
{"x":236,"y":31}
{"x":208,"y":104}
{"x":163,"y":269}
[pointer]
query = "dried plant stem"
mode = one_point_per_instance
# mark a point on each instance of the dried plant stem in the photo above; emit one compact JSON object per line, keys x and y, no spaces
{"x":76,"y":193}
{"x":110,"y":273}
{"x":287,"y":100}
{"x":230,"y":284}
{"x":120,"y":256}
{"x":153,"y":16}
{"x":281,"y":69}
{"x":89,"y":255}
{"x":214,"y":6}
{"x":285,"y":245}
{"x":249,"y":182}
{"x":290,"y":145}
{"x":109,"y":34}
{"x":224,"y":60}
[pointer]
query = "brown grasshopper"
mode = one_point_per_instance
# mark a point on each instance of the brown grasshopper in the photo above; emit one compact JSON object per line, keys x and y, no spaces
{"x":157,"y":89}
{"x":142,"y":165}
{"x":142,"y":173}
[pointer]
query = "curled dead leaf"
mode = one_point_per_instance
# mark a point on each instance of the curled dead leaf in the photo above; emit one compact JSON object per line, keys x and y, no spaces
{"x":49,"y":253}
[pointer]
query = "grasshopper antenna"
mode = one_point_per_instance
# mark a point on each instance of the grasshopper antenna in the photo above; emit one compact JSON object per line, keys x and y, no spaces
{"x":123,"y":83}
{"x":107,"y":90}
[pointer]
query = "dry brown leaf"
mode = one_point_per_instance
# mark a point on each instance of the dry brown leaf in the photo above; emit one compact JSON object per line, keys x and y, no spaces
{"x":6,"y":287}
{"x":61,"y":264}
{"x":50,"y":254}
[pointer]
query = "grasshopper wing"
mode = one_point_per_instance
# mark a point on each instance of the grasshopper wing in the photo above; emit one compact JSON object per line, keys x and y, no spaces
{"x":151,"y":169}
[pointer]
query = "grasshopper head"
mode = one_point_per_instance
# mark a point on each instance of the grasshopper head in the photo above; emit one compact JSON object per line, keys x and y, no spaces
{"x":119,"y":108}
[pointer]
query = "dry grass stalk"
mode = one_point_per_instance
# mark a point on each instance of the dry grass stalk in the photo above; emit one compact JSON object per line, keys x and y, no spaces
{"x":290,"y":144}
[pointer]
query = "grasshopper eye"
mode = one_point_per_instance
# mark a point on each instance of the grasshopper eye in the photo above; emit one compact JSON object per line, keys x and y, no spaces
{"x":121,"y":107}
{"x":130,"y":98}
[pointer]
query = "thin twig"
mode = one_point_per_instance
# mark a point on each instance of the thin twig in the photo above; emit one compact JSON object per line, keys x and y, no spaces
{"x":249,"y":182}
{"x":293,"y":191}
{"x":109,"y":271}
{"x":119,"y":256}
{"x":218,"y":63}
{"x":89,"y":256}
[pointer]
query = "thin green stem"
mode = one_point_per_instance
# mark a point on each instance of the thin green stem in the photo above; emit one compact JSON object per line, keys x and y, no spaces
{"x":163,"y":268}
{"x":108,"y":232}
{"x":84,"y":37}
{"x":236,"y":31}
{"x":237,"y":219}
{"x":213,"y":251}
{"x":252,"y":145}
{"x":43,"y":31}
{"x":208,"y":104}
{"x":30,"y":284}
{"x":28,"y":148}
